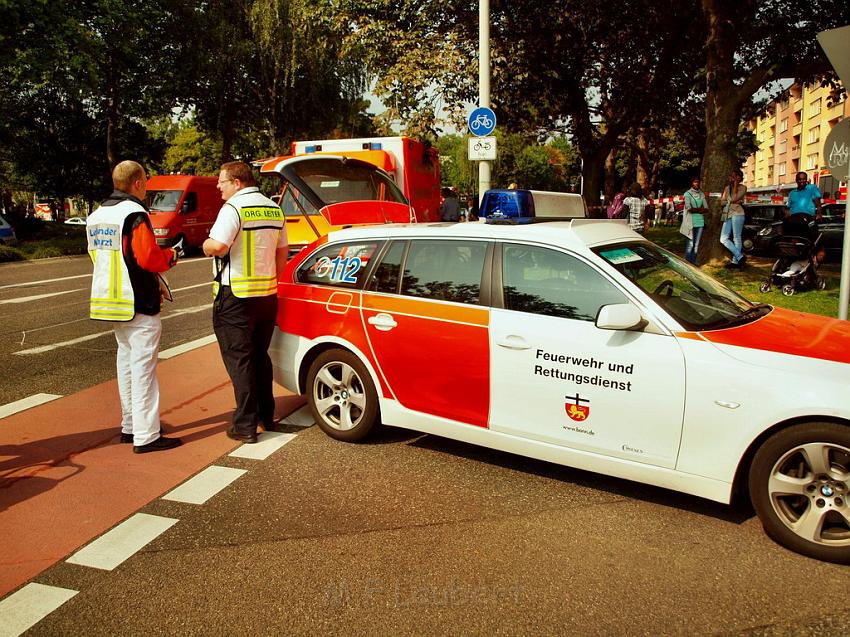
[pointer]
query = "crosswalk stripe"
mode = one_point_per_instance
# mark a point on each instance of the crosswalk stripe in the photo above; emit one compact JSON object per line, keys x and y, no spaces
{"x":122,"y":542}
{"x":204,"y":485}
{"x":29,"y":605}
{"x":269,"y":442}
{"x":26,"y":403}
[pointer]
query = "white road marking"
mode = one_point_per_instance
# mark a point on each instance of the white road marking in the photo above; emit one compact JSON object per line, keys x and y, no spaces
{"x":269,"y":442}
{"x":301,"y":418}
{"x":82,"y":339}
{"x":24,"y":299}
{"x":186,"y":347}
{"x":204,"y":485}
{"x":28,"y":283}
{"x":122,"y":542}
{"x":197,"y":285}
{"x":29,"y":605}
{"x":26,"y":403}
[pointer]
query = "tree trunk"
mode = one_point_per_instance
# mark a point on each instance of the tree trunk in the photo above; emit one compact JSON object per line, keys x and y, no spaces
{"x":723,"y":110}
{"x":111,"y":119}
{"x":610,"y":174}
{"x":593,"y":173}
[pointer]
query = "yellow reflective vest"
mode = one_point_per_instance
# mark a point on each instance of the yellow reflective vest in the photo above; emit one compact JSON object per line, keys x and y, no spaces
{"x":112,"y":297}
{"x":253,"y":269}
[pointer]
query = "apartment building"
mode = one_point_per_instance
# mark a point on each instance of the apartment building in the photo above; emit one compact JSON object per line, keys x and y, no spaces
{"x":791,"y":135}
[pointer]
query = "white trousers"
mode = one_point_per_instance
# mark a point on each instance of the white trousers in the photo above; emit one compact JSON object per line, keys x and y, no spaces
{"x":138,"y":387}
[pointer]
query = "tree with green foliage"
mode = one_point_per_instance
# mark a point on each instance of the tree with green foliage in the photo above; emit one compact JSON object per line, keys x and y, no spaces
{"x":748,"y":44}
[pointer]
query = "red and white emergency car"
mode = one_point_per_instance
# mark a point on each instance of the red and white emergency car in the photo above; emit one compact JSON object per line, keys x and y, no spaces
{"x":579,"y":343}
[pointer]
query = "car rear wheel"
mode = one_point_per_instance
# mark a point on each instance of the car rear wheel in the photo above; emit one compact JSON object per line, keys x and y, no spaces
{"x":342,"y":396}
{"x":799,"y":483}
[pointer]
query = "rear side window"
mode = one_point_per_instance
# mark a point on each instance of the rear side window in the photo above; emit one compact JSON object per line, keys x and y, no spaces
{"x":444,"y":270}
{"x":341,"y":264}
{"x":386,"y":275}
{"x":543,"y":281}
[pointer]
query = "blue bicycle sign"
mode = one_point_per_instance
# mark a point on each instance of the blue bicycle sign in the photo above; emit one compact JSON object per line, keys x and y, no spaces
{"x":482,"y":121}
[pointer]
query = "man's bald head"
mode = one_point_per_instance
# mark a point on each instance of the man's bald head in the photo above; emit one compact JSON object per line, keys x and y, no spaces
{"x":129,"y":176}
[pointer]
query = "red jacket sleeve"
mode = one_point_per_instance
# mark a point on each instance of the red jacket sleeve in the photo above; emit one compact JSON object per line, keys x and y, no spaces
{"x":148,"y":255}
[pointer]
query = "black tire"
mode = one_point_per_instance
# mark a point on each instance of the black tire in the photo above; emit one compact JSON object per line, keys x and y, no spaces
{"x":788,"y":289}
{"x":764,"y":287}
{"x":799,"y":486}
{"x":342,"y":396}
{"x":820,"y":283}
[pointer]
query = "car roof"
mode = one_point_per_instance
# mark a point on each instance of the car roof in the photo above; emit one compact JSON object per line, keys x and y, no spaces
{"x":576,"y":234}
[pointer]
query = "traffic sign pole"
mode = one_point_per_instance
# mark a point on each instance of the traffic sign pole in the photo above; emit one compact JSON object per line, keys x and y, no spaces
{"x":483,"y":84}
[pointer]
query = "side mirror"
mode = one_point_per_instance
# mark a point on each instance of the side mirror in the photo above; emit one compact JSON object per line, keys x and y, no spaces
{"x":620,"y":316}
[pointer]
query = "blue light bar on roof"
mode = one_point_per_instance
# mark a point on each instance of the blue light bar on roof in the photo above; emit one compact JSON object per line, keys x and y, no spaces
{"x":315,"y":148}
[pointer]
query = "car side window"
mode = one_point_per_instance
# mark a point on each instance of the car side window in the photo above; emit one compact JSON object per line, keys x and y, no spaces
{"x":543,"y":281}
{"x":444,"y":270}
{"x":341,"y":264}
{"x":385,"y":276}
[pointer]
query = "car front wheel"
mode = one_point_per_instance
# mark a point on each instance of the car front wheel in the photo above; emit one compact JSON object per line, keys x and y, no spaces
{"x":342,"y":396}
{"x":799,"y":485}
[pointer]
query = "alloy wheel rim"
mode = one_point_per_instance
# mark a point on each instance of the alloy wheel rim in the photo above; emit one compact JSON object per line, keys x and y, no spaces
{"x":339,"y":396}
{"x":809,"y":487}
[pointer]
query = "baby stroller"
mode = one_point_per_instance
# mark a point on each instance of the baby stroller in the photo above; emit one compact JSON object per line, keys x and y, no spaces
{"x":797,"y":251}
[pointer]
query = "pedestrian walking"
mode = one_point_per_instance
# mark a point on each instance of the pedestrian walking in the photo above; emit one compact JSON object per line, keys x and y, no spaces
{"x":637,"y":204}
{"x":693,"y":221}
{"x":733,"y":217}
{"x":125,"y":291}
{"x":450,"y":208}
{"x":249,"y":246}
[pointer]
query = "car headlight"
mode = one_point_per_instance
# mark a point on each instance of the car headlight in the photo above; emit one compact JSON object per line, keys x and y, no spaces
{"x":160,"y":232}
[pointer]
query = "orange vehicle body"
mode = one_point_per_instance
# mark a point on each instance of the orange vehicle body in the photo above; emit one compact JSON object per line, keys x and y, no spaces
{"x":182,"y":208}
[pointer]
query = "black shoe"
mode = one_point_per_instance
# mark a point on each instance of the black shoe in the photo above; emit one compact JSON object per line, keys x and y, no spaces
{"x":246,"y":438}
{"x":128,"y":438}
{"x":160,"y":444}
{"x":742,"y":262}
{"x":731,"y":265}
{"x":271,"y":426}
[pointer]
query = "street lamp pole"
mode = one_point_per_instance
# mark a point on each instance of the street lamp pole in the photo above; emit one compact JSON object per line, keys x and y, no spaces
{"x":483,"y":84}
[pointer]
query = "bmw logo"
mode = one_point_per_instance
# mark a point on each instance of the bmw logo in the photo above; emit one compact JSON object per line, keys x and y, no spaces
{"x":827,"y":490}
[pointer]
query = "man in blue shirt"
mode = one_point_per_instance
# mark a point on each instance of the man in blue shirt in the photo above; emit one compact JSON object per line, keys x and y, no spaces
{"x":804,"y":198}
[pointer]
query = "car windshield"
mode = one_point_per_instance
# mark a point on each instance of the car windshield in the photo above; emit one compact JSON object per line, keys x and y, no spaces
{"x":694,"y":299}
{"x":163,"y":200}
{"x":336,"y":180}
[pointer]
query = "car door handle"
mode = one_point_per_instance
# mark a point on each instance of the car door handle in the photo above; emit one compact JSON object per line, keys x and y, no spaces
{"x":383,"y":322}
{"x":513,"y":342}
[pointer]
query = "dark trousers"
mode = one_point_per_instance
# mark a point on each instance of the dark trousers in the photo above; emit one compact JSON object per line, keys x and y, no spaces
{"x":244,"y":329}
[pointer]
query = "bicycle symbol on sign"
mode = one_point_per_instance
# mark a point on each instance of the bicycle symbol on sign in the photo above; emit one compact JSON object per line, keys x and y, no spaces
{"x":481,"y":122}
{"x":479,"y":146}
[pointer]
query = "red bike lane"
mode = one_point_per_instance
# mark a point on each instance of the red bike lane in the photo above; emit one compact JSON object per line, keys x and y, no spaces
{"x":65,"y":478}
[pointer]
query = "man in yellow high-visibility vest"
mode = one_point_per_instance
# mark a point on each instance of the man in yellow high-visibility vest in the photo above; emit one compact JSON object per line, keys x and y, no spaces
{"x":248,"y":241}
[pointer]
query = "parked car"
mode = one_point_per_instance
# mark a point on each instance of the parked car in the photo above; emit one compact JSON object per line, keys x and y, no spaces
{"x":7,"y":232}
{"x":75,"y":221}
{"x":758,"y":217}
{"x":549,"y":339}
{"x":831,"y":228}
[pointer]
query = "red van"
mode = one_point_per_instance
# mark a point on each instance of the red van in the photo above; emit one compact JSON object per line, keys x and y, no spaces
{"x":182,"y":207}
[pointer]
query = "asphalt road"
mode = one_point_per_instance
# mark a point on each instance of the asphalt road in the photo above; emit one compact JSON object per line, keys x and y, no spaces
{"x":417,"y":535}
{"x":407,"y":535}
{"x":49,"y":345}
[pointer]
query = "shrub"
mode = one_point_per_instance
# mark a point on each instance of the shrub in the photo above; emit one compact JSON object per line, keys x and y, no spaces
{"x":7,"y":253}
